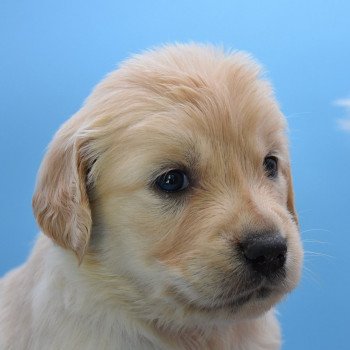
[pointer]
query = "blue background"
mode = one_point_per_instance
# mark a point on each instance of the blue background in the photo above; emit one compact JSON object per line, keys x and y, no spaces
{"x":53,"y":52}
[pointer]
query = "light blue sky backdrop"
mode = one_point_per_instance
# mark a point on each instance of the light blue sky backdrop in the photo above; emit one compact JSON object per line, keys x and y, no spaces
{"x":53,"y":52}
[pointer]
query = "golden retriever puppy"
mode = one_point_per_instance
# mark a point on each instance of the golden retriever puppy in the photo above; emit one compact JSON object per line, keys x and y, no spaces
{"x":166,"y":206}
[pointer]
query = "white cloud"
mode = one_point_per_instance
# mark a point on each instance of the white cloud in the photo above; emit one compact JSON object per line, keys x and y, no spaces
{"x":344,"y":123}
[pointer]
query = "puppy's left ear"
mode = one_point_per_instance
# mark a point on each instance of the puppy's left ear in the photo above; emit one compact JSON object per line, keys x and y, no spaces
{"x":290,"y":197}
{"x":60,"y":202}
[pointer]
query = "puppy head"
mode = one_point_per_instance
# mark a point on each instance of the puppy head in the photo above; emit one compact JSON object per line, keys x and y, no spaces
{"x":178,"y":164}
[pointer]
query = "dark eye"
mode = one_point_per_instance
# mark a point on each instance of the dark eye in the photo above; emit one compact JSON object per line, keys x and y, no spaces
{"x":271,"y":166}
{"x":172,"y":181}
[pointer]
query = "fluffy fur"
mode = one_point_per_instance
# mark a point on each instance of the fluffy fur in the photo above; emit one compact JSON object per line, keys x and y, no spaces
{"x":122,"y":265}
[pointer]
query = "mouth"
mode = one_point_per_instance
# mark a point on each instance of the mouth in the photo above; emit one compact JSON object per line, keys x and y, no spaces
{"x":231,"y":304}
{"x":240,"y":300}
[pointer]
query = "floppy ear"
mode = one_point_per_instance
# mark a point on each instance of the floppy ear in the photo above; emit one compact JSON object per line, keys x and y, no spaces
{"x":60,"y":202}
{"x":290,"y":198}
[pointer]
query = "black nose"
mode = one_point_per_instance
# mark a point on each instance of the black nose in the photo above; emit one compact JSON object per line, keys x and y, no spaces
{"x":264,"y":252}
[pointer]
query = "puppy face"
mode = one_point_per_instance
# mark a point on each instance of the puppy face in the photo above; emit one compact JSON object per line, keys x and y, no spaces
{"x":174,"y":183}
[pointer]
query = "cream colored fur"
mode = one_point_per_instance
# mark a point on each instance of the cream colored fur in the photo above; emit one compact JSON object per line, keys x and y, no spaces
{"x":124,"y":266}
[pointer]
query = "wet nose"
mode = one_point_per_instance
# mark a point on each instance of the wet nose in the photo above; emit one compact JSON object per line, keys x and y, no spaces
{"x":264,"y":252}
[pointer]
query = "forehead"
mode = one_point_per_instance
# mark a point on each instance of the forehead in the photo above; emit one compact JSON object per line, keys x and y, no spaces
{"x":194,"y":100}
{"x":212,"y":116}
{"x":203,"y":89}
{"x":191,"y":137}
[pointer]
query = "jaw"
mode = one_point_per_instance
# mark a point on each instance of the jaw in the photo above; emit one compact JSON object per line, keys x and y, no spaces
{"x":245,"y":306}
{"x":168,"y":307}
{"x":216,"y":302}
{"x":171,"y":311}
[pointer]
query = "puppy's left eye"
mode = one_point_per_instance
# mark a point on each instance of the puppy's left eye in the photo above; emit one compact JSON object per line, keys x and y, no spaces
{"x":172,"y":181}
{"x":271,"y":166}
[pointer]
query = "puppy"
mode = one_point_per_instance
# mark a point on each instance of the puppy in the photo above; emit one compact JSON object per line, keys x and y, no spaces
{"x":167,"y":213}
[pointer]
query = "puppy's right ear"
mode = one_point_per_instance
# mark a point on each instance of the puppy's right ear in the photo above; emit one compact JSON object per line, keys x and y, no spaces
{"x":290,"y":198}
{"x":60,"y":202}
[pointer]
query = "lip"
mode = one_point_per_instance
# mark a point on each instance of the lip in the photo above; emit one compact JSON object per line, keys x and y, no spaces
{"x":259,"y":294}
{"x":233,"y":304}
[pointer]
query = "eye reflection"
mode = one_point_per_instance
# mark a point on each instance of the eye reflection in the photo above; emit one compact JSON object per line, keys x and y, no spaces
{"x":172,"y":181}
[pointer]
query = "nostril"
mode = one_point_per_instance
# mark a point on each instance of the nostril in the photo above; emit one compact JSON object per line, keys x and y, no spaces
{"x":264,"y":252}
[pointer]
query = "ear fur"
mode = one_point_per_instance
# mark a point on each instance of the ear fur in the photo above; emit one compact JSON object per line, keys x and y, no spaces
{"x":60,"y":202}
{"x":290,"y":198}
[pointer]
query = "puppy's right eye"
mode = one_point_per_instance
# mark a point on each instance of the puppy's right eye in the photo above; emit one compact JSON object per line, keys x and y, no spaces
{"x":172,"y":181}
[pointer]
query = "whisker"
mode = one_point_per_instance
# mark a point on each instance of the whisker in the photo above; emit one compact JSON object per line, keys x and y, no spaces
{"x":315,"y":230}
{"x":314,"y":241}
{"x":298,"y":115}
{"x":312,"y":275}
{"x":311,"y":253}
